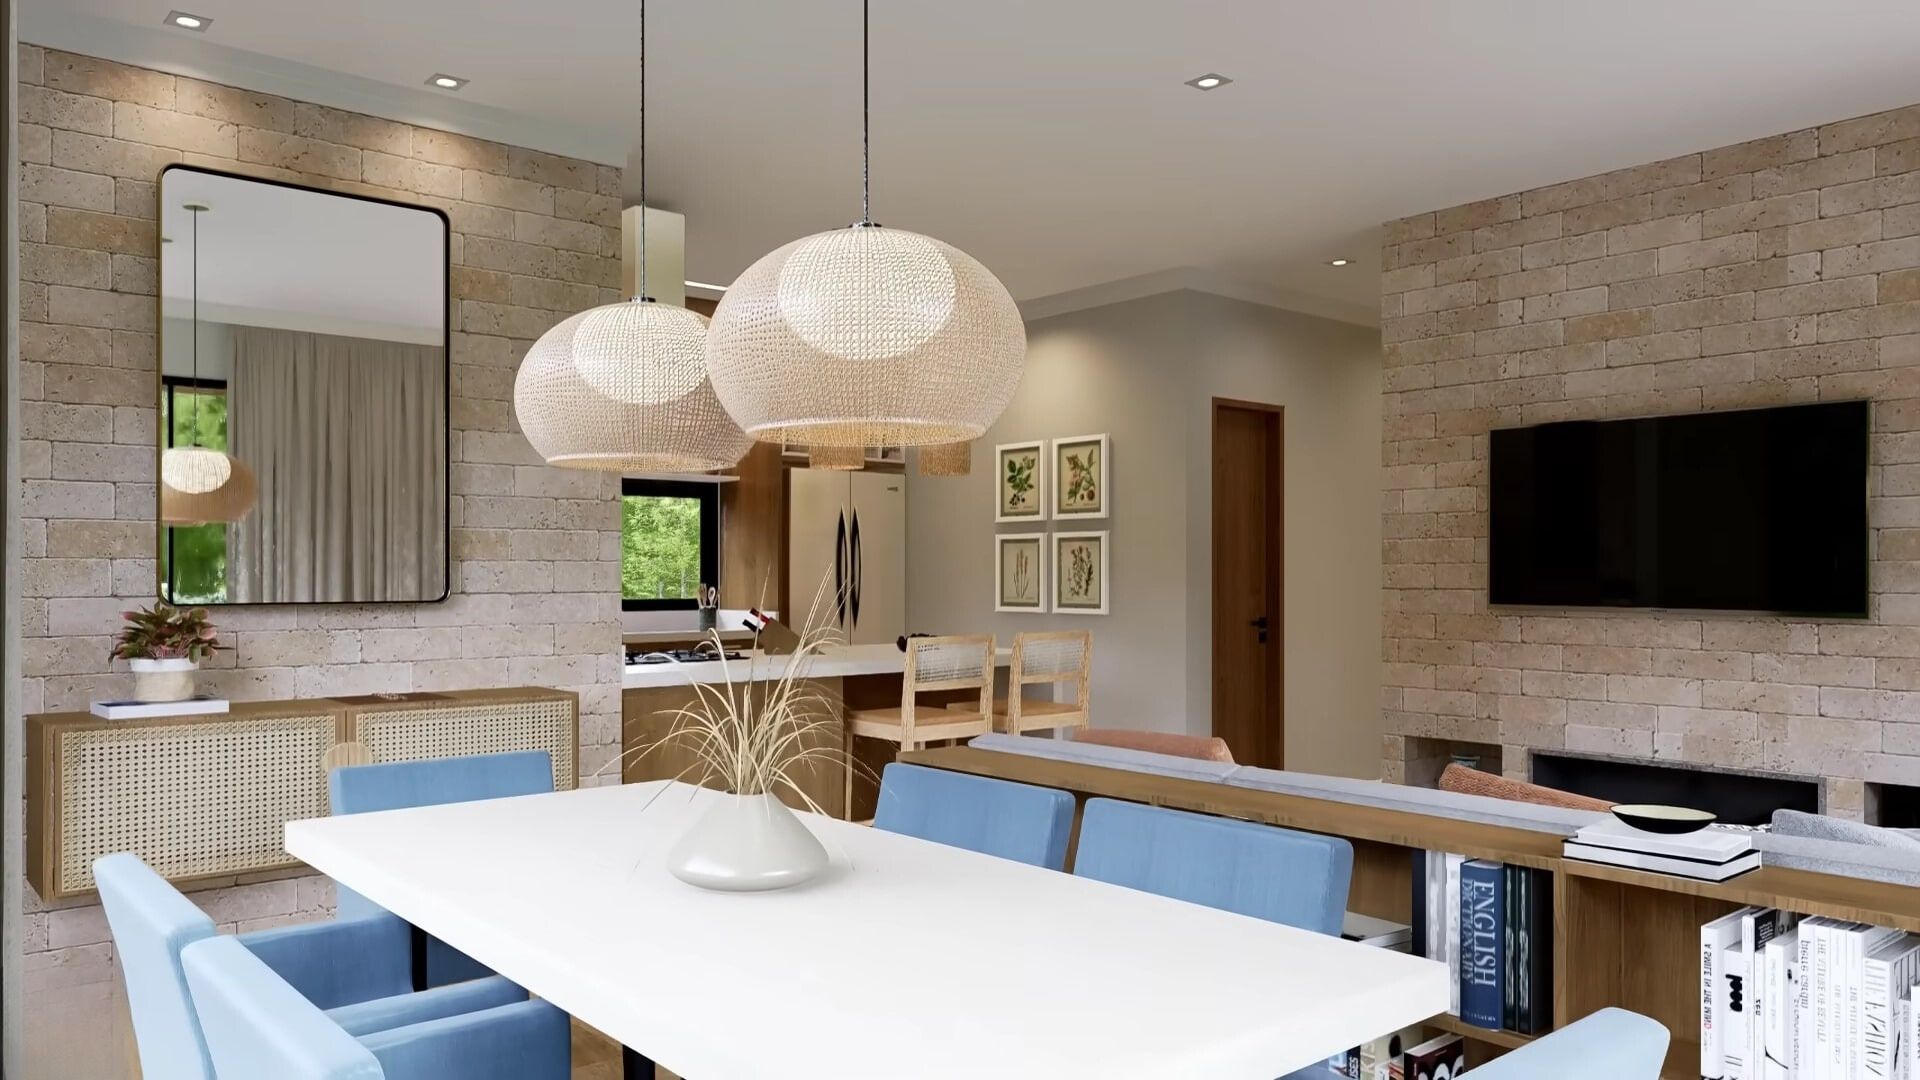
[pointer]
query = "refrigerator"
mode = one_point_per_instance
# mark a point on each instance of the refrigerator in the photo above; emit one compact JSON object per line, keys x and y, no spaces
{"x":848,"y":529}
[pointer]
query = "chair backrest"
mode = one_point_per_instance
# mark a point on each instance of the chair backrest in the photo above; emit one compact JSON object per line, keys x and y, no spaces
{"x":151,"y":923}
{"x":257,"y":1025}
{"x":1300,"y":879}
{"x":1021,"y":822}
{"x":1051,"y":657}
{"x":363,"y":789}
{"x":1198,"y":747}
{"x":1612,"y":1044}
{"x":947,"y":663}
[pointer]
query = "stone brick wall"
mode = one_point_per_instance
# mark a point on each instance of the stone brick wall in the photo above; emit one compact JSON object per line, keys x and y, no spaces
{"x":1781,"y":270}
{"x":535,"y":549}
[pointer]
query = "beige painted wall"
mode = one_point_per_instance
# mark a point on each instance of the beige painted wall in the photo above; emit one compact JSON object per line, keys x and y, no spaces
{"x":1145,"y":372}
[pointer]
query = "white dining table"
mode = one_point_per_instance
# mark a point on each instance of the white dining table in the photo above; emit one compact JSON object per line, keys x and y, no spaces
{"x":907,"y":959}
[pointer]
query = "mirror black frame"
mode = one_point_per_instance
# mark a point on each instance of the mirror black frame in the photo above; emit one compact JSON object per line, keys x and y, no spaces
{"x":160,"y":369}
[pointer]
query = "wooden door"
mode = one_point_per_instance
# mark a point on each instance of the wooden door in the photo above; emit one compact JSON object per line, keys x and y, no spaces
{"x":1248,"y":663}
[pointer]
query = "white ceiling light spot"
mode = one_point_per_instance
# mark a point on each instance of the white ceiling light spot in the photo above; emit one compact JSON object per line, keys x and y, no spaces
{"x":188,"y":21}
{"x":1338,"y":262}
{"x":442,"y":81}
{"x":1210,"y":81}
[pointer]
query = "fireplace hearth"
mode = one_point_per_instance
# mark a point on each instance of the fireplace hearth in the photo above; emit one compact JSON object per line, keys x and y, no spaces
{"x":1738,"y":797}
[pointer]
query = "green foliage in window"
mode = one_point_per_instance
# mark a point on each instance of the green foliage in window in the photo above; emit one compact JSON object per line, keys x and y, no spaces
{"x":659,"y":547}
{"x":194,"y":558}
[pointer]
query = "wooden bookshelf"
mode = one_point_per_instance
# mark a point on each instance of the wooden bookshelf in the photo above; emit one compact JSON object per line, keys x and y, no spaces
{"x":1624,"y":938}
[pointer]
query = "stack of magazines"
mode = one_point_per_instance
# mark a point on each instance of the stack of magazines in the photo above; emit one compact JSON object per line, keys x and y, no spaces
{"x":1708,"y":855}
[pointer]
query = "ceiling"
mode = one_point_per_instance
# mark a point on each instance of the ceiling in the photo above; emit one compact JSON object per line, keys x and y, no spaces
{"x":1056,"y":141}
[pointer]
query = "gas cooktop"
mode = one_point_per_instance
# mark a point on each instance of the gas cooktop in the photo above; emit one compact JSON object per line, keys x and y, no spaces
{"x":682,"y":656}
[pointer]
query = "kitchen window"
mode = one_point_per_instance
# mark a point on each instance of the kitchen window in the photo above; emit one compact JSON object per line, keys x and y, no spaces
{"x":669,"y":543}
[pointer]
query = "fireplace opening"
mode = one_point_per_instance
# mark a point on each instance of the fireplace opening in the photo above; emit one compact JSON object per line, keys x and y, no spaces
{"x":1738,"y":798}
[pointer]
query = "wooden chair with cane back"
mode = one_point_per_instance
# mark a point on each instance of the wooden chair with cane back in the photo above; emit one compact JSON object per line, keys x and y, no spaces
{"x":933,"y":664}
{"x":1050,"y":658}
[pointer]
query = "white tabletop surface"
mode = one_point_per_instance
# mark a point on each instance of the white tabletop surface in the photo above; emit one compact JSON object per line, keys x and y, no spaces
{"x":908,"y":959}
{"x":831,"y":662}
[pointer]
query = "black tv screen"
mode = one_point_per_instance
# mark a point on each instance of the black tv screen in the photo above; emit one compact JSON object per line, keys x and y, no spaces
{"x":1755,"y":510}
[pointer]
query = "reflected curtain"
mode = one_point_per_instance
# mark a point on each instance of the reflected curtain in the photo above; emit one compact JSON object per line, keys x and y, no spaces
{"x":348,"y":438}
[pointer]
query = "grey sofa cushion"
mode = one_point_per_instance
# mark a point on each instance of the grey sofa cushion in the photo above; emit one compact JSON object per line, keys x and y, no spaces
{"x":1822,"y":827}
{"x":1112,"y":757}
{"x":1448,"y":804}
{"x":1899,"y":864}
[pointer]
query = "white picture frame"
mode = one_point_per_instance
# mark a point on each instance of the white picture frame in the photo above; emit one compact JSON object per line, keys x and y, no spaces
{"x":1081,"y":581}
{"x":1068,"y":504}
{"x":1027,"y":504}
{"x":1005,"y":547}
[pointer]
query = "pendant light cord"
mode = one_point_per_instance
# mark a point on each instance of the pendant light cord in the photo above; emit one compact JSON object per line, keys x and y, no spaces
{"x":866,"y":116}
{"x":193,"y":424}
{"x":642,"y":293}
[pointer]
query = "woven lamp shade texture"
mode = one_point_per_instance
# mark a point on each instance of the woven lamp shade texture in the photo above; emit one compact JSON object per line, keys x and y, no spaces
{"x":841,"y":458}
{"x":866,"y":336}
{"x":947,"y":459}
{"x":198,"y":486}
{"x":623,"y":388}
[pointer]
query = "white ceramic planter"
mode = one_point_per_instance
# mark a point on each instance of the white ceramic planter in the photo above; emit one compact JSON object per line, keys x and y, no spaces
{"x":747,"y":843}
{"x":163,"y":680}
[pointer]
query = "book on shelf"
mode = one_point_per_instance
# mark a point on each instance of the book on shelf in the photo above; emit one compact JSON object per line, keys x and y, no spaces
{"x":1817,"y":998}
{"x":1440,"y":1058}
{"x":146,"y":710}
{"x":1482,"y":934}
{"x":1491,"y":924}
{"x":1450,"y":899}
{"x":1679,"y":866}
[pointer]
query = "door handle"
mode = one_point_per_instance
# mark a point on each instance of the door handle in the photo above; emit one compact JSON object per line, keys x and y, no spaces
{"x":840,"y":570}
{"x":859,"y":567}
{"x":1260,"y":624}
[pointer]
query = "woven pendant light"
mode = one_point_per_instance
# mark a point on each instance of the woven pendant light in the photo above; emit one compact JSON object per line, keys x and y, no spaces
{"x":200,"y":485}
{"x":947,"y":459}
{"x":866,"y":336}
{"x":623,"y":387}
{"x":838,"y":458}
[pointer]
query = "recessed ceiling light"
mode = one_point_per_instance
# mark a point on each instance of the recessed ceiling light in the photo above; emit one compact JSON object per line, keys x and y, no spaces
{"x":1209,"y":81}
{"x":188,"y":21}
{"x":1338,"y":262}
{"x":446,"y":82}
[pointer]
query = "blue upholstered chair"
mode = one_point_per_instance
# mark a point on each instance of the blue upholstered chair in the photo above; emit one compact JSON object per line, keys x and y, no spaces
{"x":359,"y":971}
{"x":259,"y":1026}
{"x":994,"y":817}
{"x":1612,"y":1044}
{"x":1283,"y":876}
{"x":363,"y":789}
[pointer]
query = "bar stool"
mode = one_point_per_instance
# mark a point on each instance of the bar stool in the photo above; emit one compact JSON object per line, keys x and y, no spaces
{"x":933,"y":664}
{"x":1051,"y":658}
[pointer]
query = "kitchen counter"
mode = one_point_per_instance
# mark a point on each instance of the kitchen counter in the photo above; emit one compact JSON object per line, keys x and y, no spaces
{"x":832,"y":662}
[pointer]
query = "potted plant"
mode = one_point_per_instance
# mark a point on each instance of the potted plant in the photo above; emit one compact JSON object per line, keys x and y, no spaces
{"x":165,"y":645}
{"x":750,"y":740}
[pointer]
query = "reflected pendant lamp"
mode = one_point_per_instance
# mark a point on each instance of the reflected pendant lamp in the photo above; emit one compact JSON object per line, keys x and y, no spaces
{"x":866,"y":336}
{"x":623,"y":387}
{"x":200,"y":485}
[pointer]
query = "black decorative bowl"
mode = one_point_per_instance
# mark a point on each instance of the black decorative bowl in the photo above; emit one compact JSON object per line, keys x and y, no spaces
{"x":1649,"y":817}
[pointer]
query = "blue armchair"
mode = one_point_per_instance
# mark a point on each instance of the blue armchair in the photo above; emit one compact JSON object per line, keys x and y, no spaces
{"x":1300,"y":879}
{"x":356,"y":970}
{"x":364,"y":789}
{"x":994,"y":817}
{"x":1612,"y":1044}
{"x":257,"y":1026}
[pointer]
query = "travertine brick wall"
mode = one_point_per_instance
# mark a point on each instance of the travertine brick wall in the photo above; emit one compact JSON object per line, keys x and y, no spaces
{"x":535,"y":549}
{"x":1781,"y":270}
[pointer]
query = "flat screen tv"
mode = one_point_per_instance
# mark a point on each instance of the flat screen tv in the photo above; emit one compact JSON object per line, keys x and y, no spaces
{"x":1754,"y":510}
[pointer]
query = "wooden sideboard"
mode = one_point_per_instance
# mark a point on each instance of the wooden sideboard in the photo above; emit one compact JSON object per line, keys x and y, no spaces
{"x":1622,"y":937}
{"x":206,"y":797}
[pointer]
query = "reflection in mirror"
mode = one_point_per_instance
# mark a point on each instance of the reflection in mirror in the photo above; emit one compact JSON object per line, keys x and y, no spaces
{"x":303,"y":395}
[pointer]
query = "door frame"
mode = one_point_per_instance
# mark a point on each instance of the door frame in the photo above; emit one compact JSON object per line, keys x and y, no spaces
{"x":1276,"y":569}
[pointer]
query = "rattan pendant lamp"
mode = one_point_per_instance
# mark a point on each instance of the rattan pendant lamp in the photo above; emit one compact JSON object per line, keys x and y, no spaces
{"x":623,"y":387}
{"x":866,"y":336}
{"x":200,"y":485}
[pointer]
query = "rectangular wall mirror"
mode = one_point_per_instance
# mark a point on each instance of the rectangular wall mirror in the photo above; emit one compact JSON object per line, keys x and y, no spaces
{"x":303,"y":394}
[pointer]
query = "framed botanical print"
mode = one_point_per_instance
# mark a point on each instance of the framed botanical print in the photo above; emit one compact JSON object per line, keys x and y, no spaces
{"x":1020,"y":572}
{"x":1020,"y":479}
{"x":1080,"y":477}
{"x":1080,"y":573}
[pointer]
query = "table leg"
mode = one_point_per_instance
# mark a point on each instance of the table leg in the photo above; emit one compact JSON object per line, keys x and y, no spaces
{"x":634,"y":1065}
{"x":417,"y":948}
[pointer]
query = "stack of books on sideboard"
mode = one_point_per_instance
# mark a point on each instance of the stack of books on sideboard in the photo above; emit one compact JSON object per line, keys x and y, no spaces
{"x":1492,"y":924}
{"x":1789,"y":998}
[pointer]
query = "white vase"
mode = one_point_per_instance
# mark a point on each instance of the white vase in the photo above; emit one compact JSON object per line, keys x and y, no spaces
{"x":163,"y":680}
{"x":747,"y":843}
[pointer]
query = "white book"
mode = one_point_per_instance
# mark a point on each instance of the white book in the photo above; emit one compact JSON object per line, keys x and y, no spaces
{"x":1663,"y":864}
{"x":1864,"y":942}
{"x":1436,"y":913}
{"x":1910,"y":1050}
{"x":1757,"y":928}
{"x":1736,"y":1004}
{"x":1451,"y":900}
{"x":146,"y":710}
{"x":1802,"y":1034}
{"x":1776,"y":1012}
{"x":1715,"y":938}
{"x":1707,"y":845}
{"x":1884,"y":970}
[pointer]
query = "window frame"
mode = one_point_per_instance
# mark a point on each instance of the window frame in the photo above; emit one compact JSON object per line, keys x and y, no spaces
{"x":708,"y":495}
